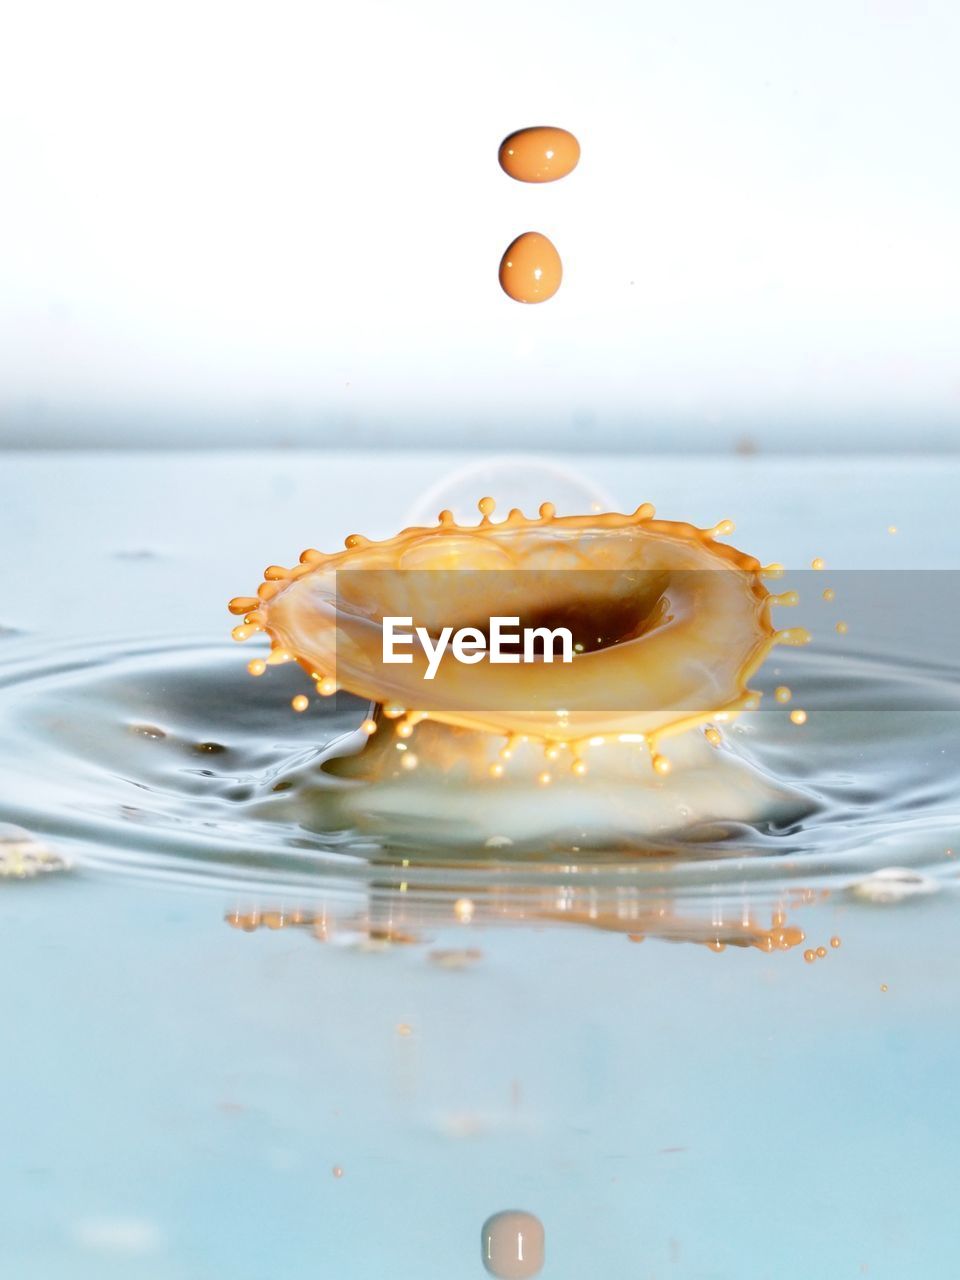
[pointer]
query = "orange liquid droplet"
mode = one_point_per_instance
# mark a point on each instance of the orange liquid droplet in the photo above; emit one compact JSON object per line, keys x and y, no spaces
{"x":530,"y":270}
{"x":242,"y":604}
{"x":539,"y":154}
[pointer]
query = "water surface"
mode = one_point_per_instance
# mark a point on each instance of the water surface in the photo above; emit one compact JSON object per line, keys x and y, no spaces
{"x":212,"y":1009}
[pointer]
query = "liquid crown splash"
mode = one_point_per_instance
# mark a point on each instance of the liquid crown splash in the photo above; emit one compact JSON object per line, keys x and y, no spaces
{"x":678,"y":623}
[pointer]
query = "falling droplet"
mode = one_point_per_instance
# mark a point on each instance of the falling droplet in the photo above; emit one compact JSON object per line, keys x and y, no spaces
{"x":530,"y":270}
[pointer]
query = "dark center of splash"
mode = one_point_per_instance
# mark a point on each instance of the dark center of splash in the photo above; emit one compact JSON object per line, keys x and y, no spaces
{"x":594,"y":625}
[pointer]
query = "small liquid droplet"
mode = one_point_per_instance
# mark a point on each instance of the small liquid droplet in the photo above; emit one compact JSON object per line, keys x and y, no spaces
{"x":539,"y":154}
{"x":148,"y":731}
{"x":300,"y":702}
{"x":783,"y":694}
{"x":242,"y":604}
{"x":530,"y":270}
{"x":799,"y":716}
{"x":512,"y":1245}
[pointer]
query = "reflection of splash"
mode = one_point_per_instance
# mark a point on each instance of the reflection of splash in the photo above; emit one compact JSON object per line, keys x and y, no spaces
{"x":688,"y":627}
{"x":513,"y":1245}
{"x":398,"y":919}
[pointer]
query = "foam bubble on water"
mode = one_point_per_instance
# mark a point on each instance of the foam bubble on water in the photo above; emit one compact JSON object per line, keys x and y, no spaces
{"x":468,"y":1123}
{"x":893,"y":884}
{"x":22,"y":857}
{"x":455,"y":957}
{"x":132,"y":1236}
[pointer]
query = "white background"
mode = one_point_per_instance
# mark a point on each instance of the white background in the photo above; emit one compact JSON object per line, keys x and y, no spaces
{"x":227,"y":223}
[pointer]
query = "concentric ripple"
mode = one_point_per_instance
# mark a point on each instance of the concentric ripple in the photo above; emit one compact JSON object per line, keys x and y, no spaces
{"x":167,"y":760}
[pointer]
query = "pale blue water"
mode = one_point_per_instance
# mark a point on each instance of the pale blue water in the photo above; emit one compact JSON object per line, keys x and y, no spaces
{"x":177,"y":1092}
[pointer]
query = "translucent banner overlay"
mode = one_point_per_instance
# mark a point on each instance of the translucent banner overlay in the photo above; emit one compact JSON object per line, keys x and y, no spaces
{"x":643,"y":640}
